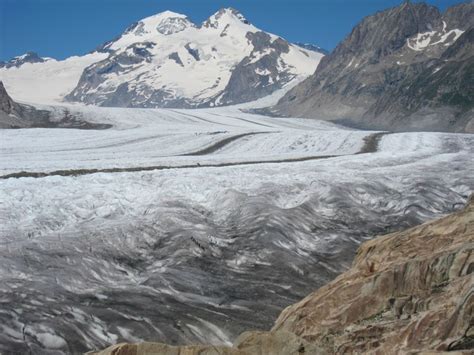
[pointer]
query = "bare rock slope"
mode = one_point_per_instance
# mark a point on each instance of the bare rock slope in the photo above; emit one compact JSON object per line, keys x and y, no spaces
{"x":407,"y":292}
{"x":408,"y":68}
{"x":10,"y":111}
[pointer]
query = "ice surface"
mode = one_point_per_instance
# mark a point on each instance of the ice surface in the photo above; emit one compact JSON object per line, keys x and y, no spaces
{"x":167,"y":137}
{"x":201,"y":253}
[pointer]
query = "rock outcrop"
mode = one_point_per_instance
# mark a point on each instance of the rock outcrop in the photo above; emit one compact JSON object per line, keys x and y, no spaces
{"x":407,"y":292}
{"x":15,"y":115}
{"x":28,"y":57}
{"x":408,"y":68}
{"x":11,"y":113}
{"x":7,"y":105}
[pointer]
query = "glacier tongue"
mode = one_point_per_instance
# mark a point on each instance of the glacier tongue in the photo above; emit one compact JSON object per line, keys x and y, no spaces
{"x":191,"y":255}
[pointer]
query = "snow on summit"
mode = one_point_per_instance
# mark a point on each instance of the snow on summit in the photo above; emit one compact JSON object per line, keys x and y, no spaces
{"x":166,"y":60}
{"x":150,"y":28}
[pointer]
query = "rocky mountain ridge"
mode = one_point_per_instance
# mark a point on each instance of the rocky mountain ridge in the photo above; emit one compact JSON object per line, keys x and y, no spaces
{"x":407,"y":68}
{"x":407,"y":292}
{"x":312,"y":47}
{"x":28,"y":57}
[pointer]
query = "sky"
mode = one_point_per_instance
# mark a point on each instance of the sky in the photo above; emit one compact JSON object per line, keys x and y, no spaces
{"x":62,"y":28}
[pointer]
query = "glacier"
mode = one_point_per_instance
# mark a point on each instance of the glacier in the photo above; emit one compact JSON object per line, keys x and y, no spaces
{"x":208,"y":222}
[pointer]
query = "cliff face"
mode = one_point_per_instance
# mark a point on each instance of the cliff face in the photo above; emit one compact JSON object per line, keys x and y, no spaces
{"x":9,"y":110}
{"x":410,"y":291}
{"x":15,"y":115}
{"x":404,"y":69}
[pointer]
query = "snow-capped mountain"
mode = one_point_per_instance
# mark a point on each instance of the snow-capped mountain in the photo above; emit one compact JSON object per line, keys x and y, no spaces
{"x":166,"y":60}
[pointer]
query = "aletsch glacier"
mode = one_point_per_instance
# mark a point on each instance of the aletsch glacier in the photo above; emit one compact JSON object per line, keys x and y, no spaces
{"x":199,"y":254}
{"x":195,"y":253}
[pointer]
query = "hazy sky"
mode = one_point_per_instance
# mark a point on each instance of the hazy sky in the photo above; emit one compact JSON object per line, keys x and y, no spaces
{"x":61,"y":28}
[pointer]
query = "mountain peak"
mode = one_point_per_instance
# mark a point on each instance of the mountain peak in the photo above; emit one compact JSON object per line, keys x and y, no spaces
{"x":405,"y":3}
{"x":233,"y":12}
{"x":413,"y":9}
{"x":397,"y":24}
{"x":225,"y":16}
{"x":166,"y":23}
{"x":167,"y":14}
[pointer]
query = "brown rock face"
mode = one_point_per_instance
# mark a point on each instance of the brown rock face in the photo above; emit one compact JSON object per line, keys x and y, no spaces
{"x":407,"y":292}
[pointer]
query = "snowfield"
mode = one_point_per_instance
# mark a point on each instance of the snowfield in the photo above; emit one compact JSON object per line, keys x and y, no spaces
{"x":27,"y":83}
{"x":215,"y":221}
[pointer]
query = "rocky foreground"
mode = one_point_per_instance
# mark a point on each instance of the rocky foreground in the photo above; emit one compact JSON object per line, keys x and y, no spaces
{"x":407,"y":292}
